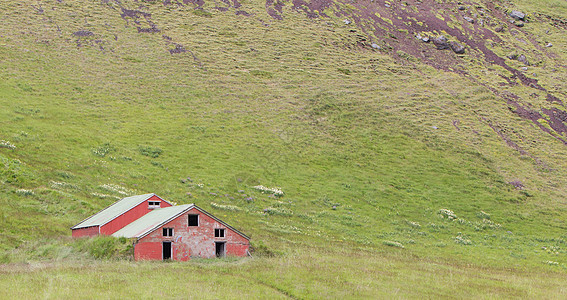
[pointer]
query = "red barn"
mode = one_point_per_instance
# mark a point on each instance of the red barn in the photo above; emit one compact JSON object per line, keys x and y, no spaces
{"x":181,"y":232}
{"x":118,"y":215}
{"x":163,"y":231}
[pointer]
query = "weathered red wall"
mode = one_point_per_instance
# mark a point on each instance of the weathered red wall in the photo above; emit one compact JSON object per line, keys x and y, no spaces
{"x":148,"y":251}
{"x":191,"y":241}
{"x":86,"y":231}
{"x":130,"y":216}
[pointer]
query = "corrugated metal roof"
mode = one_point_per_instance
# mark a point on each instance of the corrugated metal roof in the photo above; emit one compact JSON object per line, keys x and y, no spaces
{"x":150,"y":221}
{"x":110,"y":213}
{"x":158,"y":217}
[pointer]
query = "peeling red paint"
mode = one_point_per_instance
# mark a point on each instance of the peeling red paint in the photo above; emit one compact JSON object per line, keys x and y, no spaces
{"x":190,"y":241}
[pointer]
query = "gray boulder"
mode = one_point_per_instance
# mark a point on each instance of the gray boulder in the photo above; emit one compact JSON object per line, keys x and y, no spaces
{"x":523,"y":59}
{"x":518,"y":15}
{"x":441,"y":42}
{"x":469,"y":19}
{"x":457,"y":48}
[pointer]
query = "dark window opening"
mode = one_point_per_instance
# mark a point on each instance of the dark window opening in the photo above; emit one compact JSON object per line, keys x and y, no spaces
{"x":168,"y":232}
{"x":193,"y":220}
{"x":166,"y":250}
{"x":220,"y":249}
{"x":153,"y":204}
{"x":219,"y":232}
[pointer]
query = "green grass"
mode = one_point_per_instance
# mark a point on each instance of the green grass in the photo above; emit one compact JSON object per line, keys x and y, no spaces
{"x":366,"y":161}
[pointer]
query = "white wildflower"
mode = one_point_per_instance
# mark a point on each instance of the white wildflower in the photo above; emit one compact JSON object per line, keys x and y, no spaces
{"x":6,"y":144}
{"x":276,"y":191}
{"x":462,"y":239}
{"x":117,"y":189}
{"x":413,"y":224}
{"x":103,"y":196}
{"x":393,"y":244}
{"x":25,"y":192}
{"x":445,"y":213}
{"x":225,"y":207}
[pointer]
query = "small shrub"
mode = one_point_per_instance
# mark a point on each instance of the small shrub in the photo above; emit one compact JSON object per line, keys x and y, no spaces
{"x":278,"y":211}
{"x":393,"y":244}
{"x":106,"y":247}
{"x":445,"y":213}
{"x":413,"y":224}
{"x":483,"y":215}
{"x":150,"y":151}
{"x":25,"y":192}
{"x":276,"y":191}
{"x":261,"y":73}
{"x":344,"y":71}
{"x":202,"y":13}
{"x":103,"y":150}
{"x":117,"y":189}
{"x":225,"y":207}
{"x":552,"y":263}
{"x":462,"y":239}
{"x":260,"y":249}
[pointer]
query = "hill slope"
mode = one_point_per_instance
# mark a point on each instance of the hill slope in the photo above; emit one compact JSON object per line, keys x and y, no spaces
{"x":376,"y":137}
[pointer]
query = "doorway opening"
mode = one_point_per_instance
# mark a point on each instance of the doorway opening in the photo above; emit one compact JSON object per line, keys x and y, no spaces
{"x":220,"y":249}
{"x":166,"y":250}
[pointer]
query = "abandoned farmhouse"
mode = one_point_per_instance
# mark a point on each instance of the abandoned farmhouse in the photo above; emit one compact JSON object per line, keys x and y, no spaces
{"x":163,"y":231}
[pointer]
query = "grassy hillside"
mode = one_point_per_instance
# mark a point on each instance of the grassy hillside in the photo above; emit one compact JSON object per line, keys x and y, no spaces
{"x":395,"y":166}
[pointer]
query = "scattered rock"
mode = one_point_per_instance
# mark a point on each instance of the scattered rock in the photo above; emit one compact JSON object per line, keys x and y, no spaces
{"x":519,"y":24}
{"x":469,"y":19}
{"x":457,"y":48}
{"x":462,"y":7}
{"x":425,"y":39}
{"x":83,"y":33}
{"x":524,"y":68}
{"x":387,"y":5}
{"x":499,"y":29}
{"x":523,"y":59}
{"x":512,"y":56}
{"x":346,"y":21}
{"x":375,"y":46}
{"x":518,"y":15}
{"x":549,"y":45}
{"x":441,"y":42}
